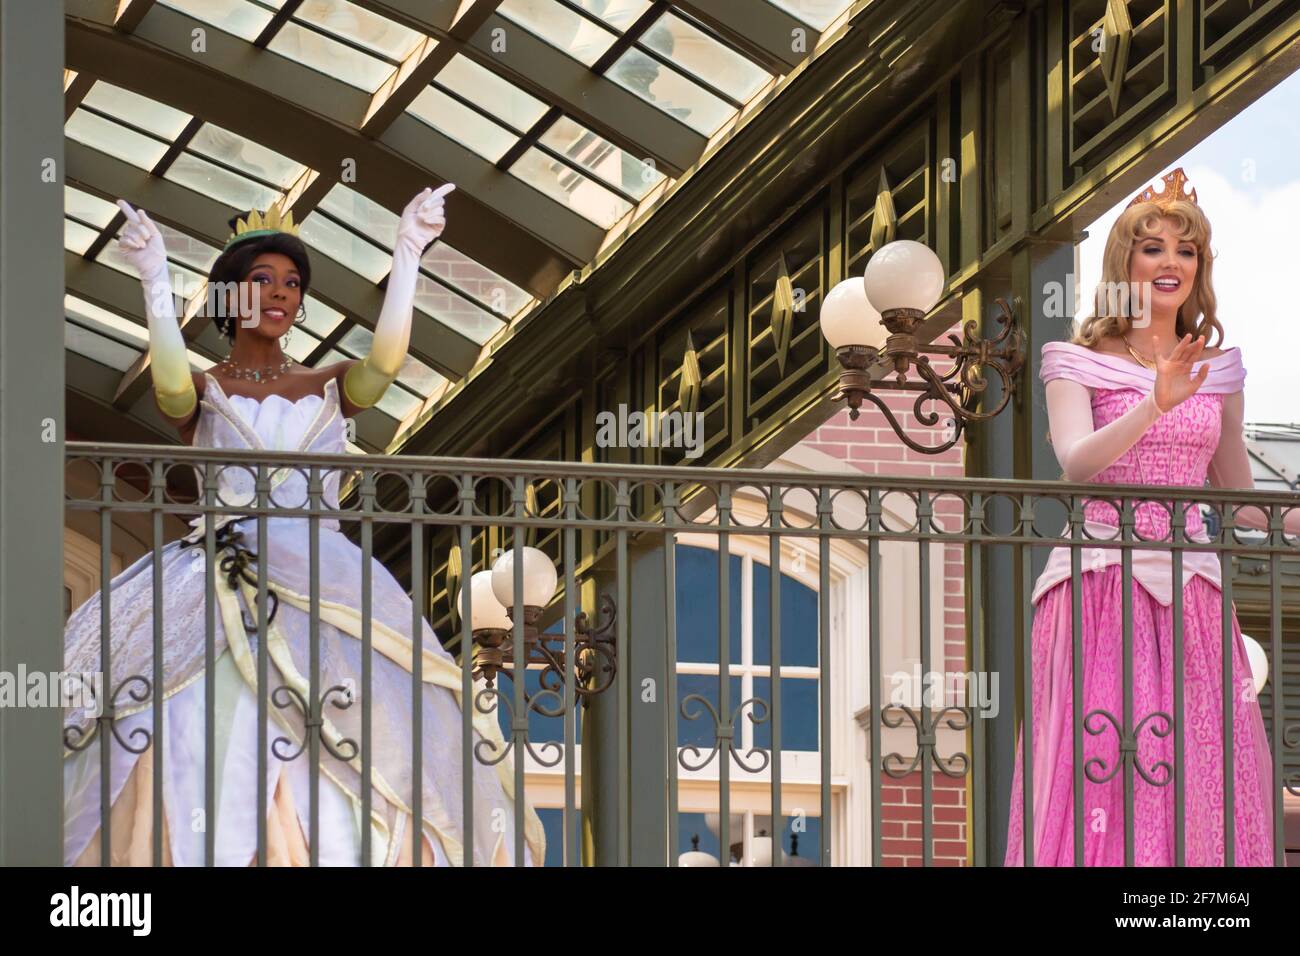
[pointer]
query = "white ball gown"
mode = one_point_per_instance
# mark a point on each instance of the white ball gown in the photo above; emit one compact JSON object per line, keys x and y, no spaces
{"x":311,"y":424}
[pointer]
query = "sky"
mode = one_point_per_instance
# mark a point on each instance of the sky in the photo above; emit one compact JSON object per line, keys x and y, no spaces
{"x":1247,"y":179}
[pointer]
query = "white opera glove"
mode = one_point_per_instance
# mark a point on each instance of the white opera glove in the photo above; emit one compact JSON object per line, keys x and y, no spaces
{"x":142,"y":245}
{"x":423,"y":221}
{"x":1081,"y":450}
{"x":1230,"y":468}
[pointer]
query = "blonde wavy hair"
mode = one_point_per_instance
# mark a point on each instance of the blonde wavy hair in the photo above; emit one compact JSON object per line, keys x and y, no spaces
{"x":1196,"y":315}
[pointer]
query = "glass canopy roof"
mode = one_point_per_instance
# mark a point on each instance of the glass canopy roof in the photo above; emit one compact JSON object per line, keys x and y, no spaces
{"x":506,"y":82}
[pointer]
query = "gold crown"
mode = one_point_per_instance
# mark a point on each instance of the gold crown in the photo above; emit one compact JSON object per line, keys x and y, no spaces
{"x":259,"y":224}
{"x":1176,"y":190}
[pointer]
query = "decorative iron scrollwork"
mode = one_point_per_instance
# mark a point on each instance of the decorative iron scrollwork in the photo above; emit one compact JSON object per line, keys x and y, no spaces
{"x":487,"y":752}
{"x":955,"y":765}
{"x":725,"y":731}
{"x":74,"y":738}
{"x":284,"y":696}
{"x":1128,"y":746}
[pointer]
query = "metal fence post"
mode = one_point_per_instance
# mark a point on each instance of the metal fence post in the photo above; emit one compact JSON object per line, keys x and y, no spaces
{"x":31,"y":421}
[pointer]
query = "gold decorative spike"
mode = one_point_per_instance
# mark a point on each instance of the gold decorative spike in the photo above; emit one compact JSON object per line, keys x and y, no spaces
{"x":688,"y":392}
{"x":1117,"y":32}
{"x":884,"y":221}
{"x":270,"y":221}
{"x":453,"y":585}
{"x":782,"y":312}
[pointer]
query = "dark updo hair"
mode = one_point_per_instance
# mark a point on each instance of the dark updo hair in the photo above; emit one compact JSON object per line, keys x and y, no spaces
{"x":236,"y":262}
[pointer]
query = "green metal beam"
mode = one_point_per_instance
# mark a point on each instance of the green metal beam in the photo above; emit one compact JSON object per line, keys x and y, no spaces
{"x":494,"y":217}
{"x":552,"y":76}
{"x":424,"y":64}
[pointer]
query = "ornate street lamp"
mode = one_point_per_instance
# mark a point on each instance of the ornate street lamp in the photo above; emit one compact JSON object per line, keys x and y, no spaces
{"x":875,"y":318}
{"x":492,"y":599}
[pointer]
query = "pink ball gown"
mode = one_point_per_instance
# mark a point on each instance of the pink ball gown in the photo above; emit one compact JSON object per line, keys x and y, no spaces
{"x":1176,"y":450}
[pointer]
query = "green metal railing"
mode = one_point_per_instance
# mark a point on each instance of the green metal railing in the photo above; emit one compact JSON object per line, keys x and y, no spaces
{"x":598,"y":519}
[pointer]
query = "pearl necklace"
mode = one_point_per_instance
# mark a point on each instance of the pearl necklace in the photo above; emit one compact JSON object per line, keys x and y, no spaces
{"x":266,"y":373}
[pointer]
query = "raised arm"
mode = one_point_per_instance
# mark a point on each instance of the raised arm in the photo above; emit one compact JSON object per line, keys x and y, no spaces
{"x":422,"y":221}
{"x":1230,"y":467}
{"x":142,"y":246}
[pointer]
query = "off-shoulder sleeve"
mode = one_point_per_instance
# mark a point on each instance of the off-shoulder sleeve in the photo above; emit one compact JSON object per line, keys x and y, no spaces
{"x":1065,"y":360}
{"x":1227,"y":373}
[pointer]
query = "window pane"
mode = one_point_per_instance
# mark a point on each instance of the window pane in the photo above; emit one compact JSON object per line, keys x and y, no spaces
{"x":619,"y":14}
{"x":345,"y":247}
{"x":581,"y":38}
{"x":321,"y":320}
{"x":584,"y":196}
{"x":252,"y":158}
{"x":239,"y":17}
{"x":457,"y":121}
{"x":799,"y":715}
{"x":343,"y":19}
{"x":699,"y":54}
{"x":192,"y":280}
{"x":301,"y":344}
{"x":106,"y":323}
{"x":601,"y":157}
{"x":77,"y":237}
{"x":799,"y":617}
{"x":114,"y":139}
{"x":419,"y":378}
{"x":93,"y":346}
{"x":498,"y":96}
{"x":670,"y":91}
{"x":372,"y":220}
{"x":356,"y":342}
{"x":397,"y":402}
{"x":816,"y":13}
{"x":331,"y":57}
{"x":553,"y":824}
{"x":332,"y":357}
{"x":88,"y":208}
{"x":193,"y":252}
{"x":137,"y":110}
{"x":220,"y":184}
{"x":697,"y":605}
{"x":475,"y":279}
{"x":442,"y":305}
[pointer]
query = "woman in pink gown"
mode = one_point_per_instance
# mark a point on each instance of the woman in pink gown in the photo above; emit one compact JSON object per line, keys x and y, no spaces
{"x":1126,"y":409}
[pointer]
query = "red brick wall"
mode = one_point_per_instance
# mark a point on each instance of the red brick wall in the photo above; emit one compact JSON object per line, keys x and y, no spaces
{"x":871,"y":446}
{"x":900,"y":820}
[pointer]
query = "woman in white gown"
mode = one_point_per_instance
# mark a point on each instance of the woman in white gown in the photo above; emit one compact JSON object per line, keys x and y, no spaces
{"x":261,"y":400}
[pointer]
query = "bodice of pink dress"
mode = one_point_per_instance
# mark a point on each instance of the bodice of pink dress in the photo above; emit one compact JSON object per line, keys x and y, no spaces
{"x":1174,"y":451}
